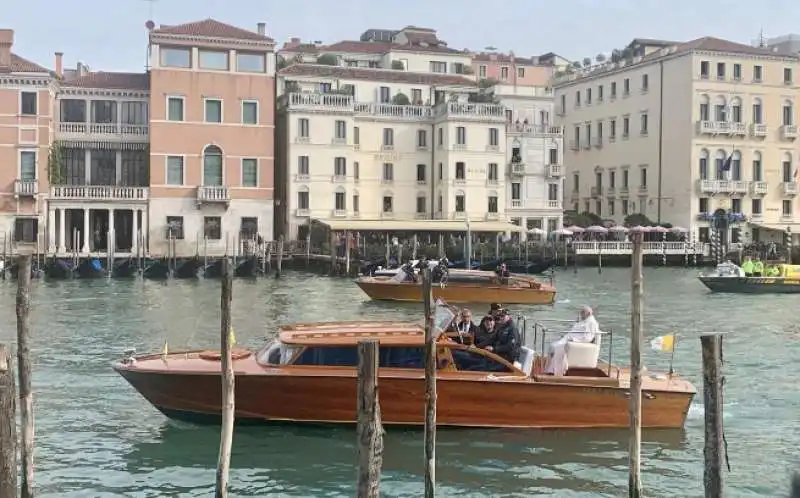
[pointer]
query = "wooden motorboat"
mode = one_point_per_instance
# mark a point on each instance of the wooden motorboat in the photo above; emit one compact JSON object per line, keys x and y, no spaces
{"x":308,"y":375}
{"x":463,"y":286}
{"x":728,"y":278}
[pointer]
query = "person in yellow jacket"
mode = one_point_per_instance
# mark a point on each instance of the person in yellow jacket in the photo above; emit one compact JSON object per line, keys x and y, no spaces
{"x":758,"y":268}
{"x":747,"y":266}
{"x":773,"y":271}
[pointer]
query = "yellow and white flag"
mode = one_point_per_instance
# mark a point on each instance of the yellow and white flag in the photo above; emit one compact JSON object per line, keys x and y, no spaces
{"x":664,"y":343}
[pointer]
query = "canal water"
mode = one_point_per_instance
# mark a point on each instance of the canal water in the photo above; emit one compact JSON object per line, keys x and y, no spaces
{"x":96,"y":437}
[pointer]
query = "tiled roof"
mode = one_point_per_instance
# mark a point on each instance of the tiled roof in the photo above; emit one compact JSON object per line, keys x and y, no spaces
{"x":383,"y":75}
{"x":210,"y":28}
{"x":496,"y":57}
{"x":428,"y":48}
{"x":302,"y":48}
{"x":20,"y":65}
{"x":358,"y":47}
{"x":711,"y":44}
{"x":111,"y":81}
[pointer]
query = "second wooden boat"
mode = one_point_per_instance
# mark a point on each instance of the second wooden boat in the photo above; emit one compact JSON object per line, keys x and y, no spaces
{"x":463,"y":286}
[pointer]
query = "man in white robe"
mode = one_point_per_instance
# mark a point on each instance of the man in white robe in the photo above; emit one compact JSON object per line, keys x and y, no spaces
{"x":584,"y":330}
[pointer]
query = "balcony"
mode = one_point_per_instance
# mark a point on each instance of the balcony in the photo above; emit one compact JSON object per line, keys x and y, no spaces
{"x":317,"y":102}
{"x":516,"y":203}
{"x":642,"y":190}
{"x":476,"y":112}
{"x":459,"y":182}
{"x":460,"y":215}
{"x":789,"y":188}
{"x":789,"y":132}
{"x":554,"y":170}
{"x":529,"y":130}
{"x":26,"y":188}
{"x":492,"y":182}
{"x":723,"y":186}
{"x":339,"y":213}
{"x":757,"y":217}
{"x":610,"y":191}
{"x":394,"y":112}
{"x":517,"y":168}
{"x":551,"y":204}
{"x":302,"y":212}
{"x":596,"y":191}
{"x":339,"y":178}
{"x":492,"y":216}
{"x":213,"y":194}
{"x":302,"y":177}
{"x":758,"y":188}
{"x":714,"y":127}
{"x":737,"y":129}
{"x":106,"y":193}
{"x":758,"y":130}
{"x":623,"y":191}
{"x":103,"y":132}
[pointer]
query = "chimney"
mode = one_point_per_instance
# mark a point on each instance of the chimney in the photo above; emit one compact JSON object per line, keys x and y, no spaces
{"x":60,"y":64}
{"x":262,"y":28}
{"x":81,"y":69}
{"x":6,"y":41}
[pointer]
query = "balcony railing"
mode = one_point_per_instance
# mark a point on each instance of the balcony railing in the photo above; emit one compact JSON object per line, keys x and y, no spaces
{"x":553,"y":204}
{"x":212,"y":194}
{"x":714,"y":127}
{"x":789,"y":132}
{"x":554,"y":170}
{"x":789,"y":188}
{"x":99,"y":193}
{"x":759,"y":188}
{"x":26,"y":188}
{"x":517,"y":168}
{"x":534,"y":130}
{"x":103,"y":131}
{"x":596,"y":191}
{"x":516,"y":203}
{"x":347,"y":103}
{"x":758,"y":130}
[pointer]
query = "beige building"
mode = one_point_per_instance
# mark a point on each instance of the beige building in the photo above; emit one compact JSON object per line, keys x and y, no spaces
{"x":678,"y":131}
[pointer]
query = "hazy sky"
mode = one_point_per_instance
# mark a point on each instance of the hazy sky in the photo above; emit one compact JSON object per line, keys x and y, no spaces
{"x":110,"y":35}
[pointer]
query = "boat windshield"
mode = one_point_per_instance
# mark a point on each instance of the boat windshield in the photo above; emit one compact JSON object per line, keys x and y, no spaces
{"x":276,"y":353}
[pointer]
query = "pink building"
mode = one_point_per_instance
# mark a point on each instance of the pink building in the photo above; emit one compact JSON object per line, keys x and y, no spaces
{"x":508,"y":69}
{"x":178,"y":158}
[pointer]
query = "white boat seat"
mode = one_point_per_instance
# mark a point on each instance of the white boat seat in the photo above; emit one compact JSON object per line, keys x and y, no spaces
{"x":583,"y":354}
{"x":525,"y":360}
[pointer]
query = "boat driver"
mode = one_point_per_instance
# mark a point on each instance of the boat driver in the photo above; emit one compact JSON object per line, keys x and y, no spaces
{"x":506,"y":341}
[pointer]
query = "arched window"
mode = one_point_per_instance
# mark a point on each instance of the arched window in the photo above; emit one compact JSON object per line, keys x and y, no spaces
{"x":758,"y":111}
{"x":720,"y":108}
{"x":704,"y":103}
{"x":719,"y":163}
{"x":516,"y":151}
{"x":461,"y":201}
{"x":736,"y":110}
{"x":736,"y":166}
{"x":758,"y":172}
{"x":703,"y":164}
{"x":212,"y":166}
{"x":788,"y":113}
{"x":788,"y":174}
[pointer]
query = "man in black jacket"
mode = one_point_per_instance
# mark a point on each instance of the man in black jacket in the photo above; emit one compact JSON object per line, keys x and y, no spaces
{"x":464,"y":330}
{"x":507,"y":341}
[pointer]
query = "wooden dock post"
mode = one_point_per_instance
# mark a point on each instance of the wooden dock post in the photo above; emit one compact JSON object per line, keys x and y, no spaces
{"x":228,"y":383}
{"x":369,"y":430}
{"x":24,"y":366}
{"x":308,"y":250}
{"x":8,"y":427}
{"x":430,"y":384}
{"x":347,"y":235}
{"x":637,"y":298}
{"x":279,"y":260}
{"x":711,"y":345}
{"x":333,"y":253}
{"x":795,"y":491}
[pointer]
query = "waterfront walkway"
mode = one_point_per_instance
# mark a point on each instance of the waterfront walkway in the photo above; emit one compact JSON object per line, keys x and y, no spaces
{"x":622,"y":248}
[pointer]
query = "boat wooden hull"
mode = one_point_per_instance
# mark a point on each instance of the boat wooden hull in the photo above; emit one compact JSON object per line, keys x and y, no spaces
{"x":752,"y":285}
{"x":305,"y":396}
{"x":384,"y":290}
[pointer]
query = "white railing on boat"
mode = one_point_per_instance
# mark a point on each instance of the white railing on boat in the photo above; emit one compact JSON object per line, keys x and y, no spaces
{"x":669,"y":248}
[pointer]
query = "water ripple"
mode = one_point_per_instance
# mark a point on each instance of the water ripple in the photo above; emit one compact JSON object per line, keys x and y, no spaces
{"x":97,"y":438}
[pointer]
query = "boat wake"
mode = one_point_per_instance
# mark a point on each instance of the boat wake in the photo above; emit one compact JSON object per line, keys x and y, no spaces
{"x":563,"y":301}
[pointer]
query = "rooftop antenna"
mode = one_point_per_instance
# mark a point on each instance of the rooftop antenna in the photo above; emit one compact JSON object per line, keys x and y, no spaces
{"x":762,"y":43}
{"x":149,"y":25}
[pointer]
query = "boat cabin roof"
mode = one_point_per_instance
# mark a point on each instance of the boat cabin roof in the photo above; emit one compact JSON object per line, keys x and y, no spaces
{"x":350,"y":333}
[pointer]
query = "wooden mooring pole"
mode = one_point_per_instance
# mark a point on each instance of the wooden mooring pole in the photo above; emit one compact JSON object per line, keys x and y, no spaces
{"x":8,"y":427}
{"x":228,"y":381}
{"x":279,"y":261}
{"x":635,"y":410}
{"x":369,"y":430}
{"x":430,"y":385}
{"x":795,"y":491}
{"x":24,"y":366}
{"x":713,"y":451}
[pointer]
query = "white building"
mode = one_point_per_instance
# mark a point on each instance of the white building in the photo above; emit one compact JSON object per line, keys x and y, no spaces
{"x":534,"y":152}
{"x":681,"y":131}
{"x":361,"y":143}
